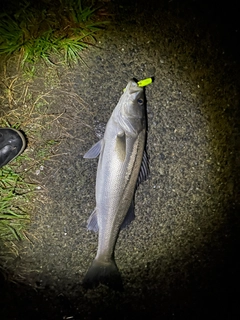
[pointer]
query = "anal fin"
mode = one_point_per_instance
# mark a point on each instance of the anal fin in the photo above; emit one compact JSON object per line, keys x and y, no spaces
{"x":92,"y":223}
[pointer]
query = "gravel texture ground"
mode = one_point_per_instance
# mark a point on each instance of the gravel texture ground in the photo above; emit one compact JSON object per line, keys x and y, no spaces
{"x":178,"y":258}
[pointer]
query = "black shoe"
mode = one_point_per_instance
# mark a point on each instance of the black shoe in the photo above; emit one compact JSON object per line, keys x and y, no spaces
{"x":12,"y":143}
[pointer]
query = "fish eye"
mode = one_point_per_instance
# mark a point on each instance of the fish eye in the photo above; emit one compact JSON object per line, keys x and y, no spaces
{"x":140,"y":101}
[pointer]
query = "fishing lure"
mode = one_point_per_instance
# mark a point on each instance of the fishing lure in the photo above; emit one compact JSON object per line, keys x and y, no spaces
{"x":143,"y":83}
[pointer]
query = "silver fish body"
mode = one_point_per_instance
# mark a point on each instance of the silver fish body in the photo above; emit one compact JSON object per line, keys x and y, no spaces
{"x":122,"y":166}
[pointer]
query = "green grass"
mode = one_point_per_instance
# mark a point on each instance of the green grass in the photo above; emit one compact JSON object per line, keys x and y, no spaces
{"x":15,"y":196}
{"x":54,"y":31}
{"x":27,"y":110}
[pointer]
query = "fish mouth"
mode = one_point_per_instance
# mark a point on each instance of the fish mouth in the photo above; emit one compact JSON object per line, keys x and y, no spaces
{"x":132,"y":87}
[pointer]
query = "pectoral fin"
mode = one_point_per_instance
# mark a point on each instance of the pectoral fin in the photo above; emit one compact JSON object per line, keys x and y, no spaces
{"x":94,"y":151}
{"x":120,"y":146}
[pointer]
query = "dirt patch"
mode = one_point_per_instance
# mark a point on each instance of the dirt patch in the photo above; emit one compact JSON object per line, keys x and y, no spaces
{"x":176,"y":255}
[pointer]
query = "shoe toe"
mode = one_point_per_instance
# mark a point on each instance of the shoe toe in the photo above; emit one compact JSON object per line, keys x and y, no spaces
{"x":12,"y":143}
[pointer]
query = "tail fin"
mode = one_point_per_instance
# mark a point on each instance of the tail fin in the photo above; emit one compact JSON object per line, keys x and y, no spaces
{"x":105,"y":273}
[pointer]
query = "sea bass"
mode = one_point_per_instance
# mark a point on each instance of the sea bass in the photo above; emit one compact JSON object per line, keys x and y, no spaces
{"x":122,"y":165}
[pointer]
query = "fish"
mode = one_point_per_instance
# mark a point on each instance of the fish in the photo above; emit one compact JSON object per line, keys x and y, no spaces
{"x":122,"y":166}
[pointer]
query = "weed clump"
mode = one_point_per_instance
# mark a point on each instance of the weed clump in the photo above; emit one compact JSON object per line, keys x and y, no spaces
{"x":54,"y":31}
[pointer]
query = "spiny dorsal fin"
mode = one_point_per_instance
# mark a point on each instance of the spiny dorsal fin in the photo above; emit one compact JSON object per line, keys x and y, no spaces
{"x":144,"y":169}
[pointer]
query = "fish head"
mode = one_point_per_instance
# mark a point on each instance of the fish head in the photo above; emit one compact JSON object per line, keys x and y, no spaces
{"x":133,"y":101}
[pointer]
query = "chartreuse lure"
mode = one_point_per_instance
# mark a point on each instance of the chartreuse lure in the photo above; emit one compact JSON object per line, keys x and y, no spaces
{"x":143,"y":83}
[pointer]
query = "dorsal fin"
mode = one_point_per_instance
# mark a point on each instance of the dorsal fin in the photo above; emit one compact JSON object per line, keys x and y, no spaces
{"x":144,"y":169}
{"x":129,"y":216}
